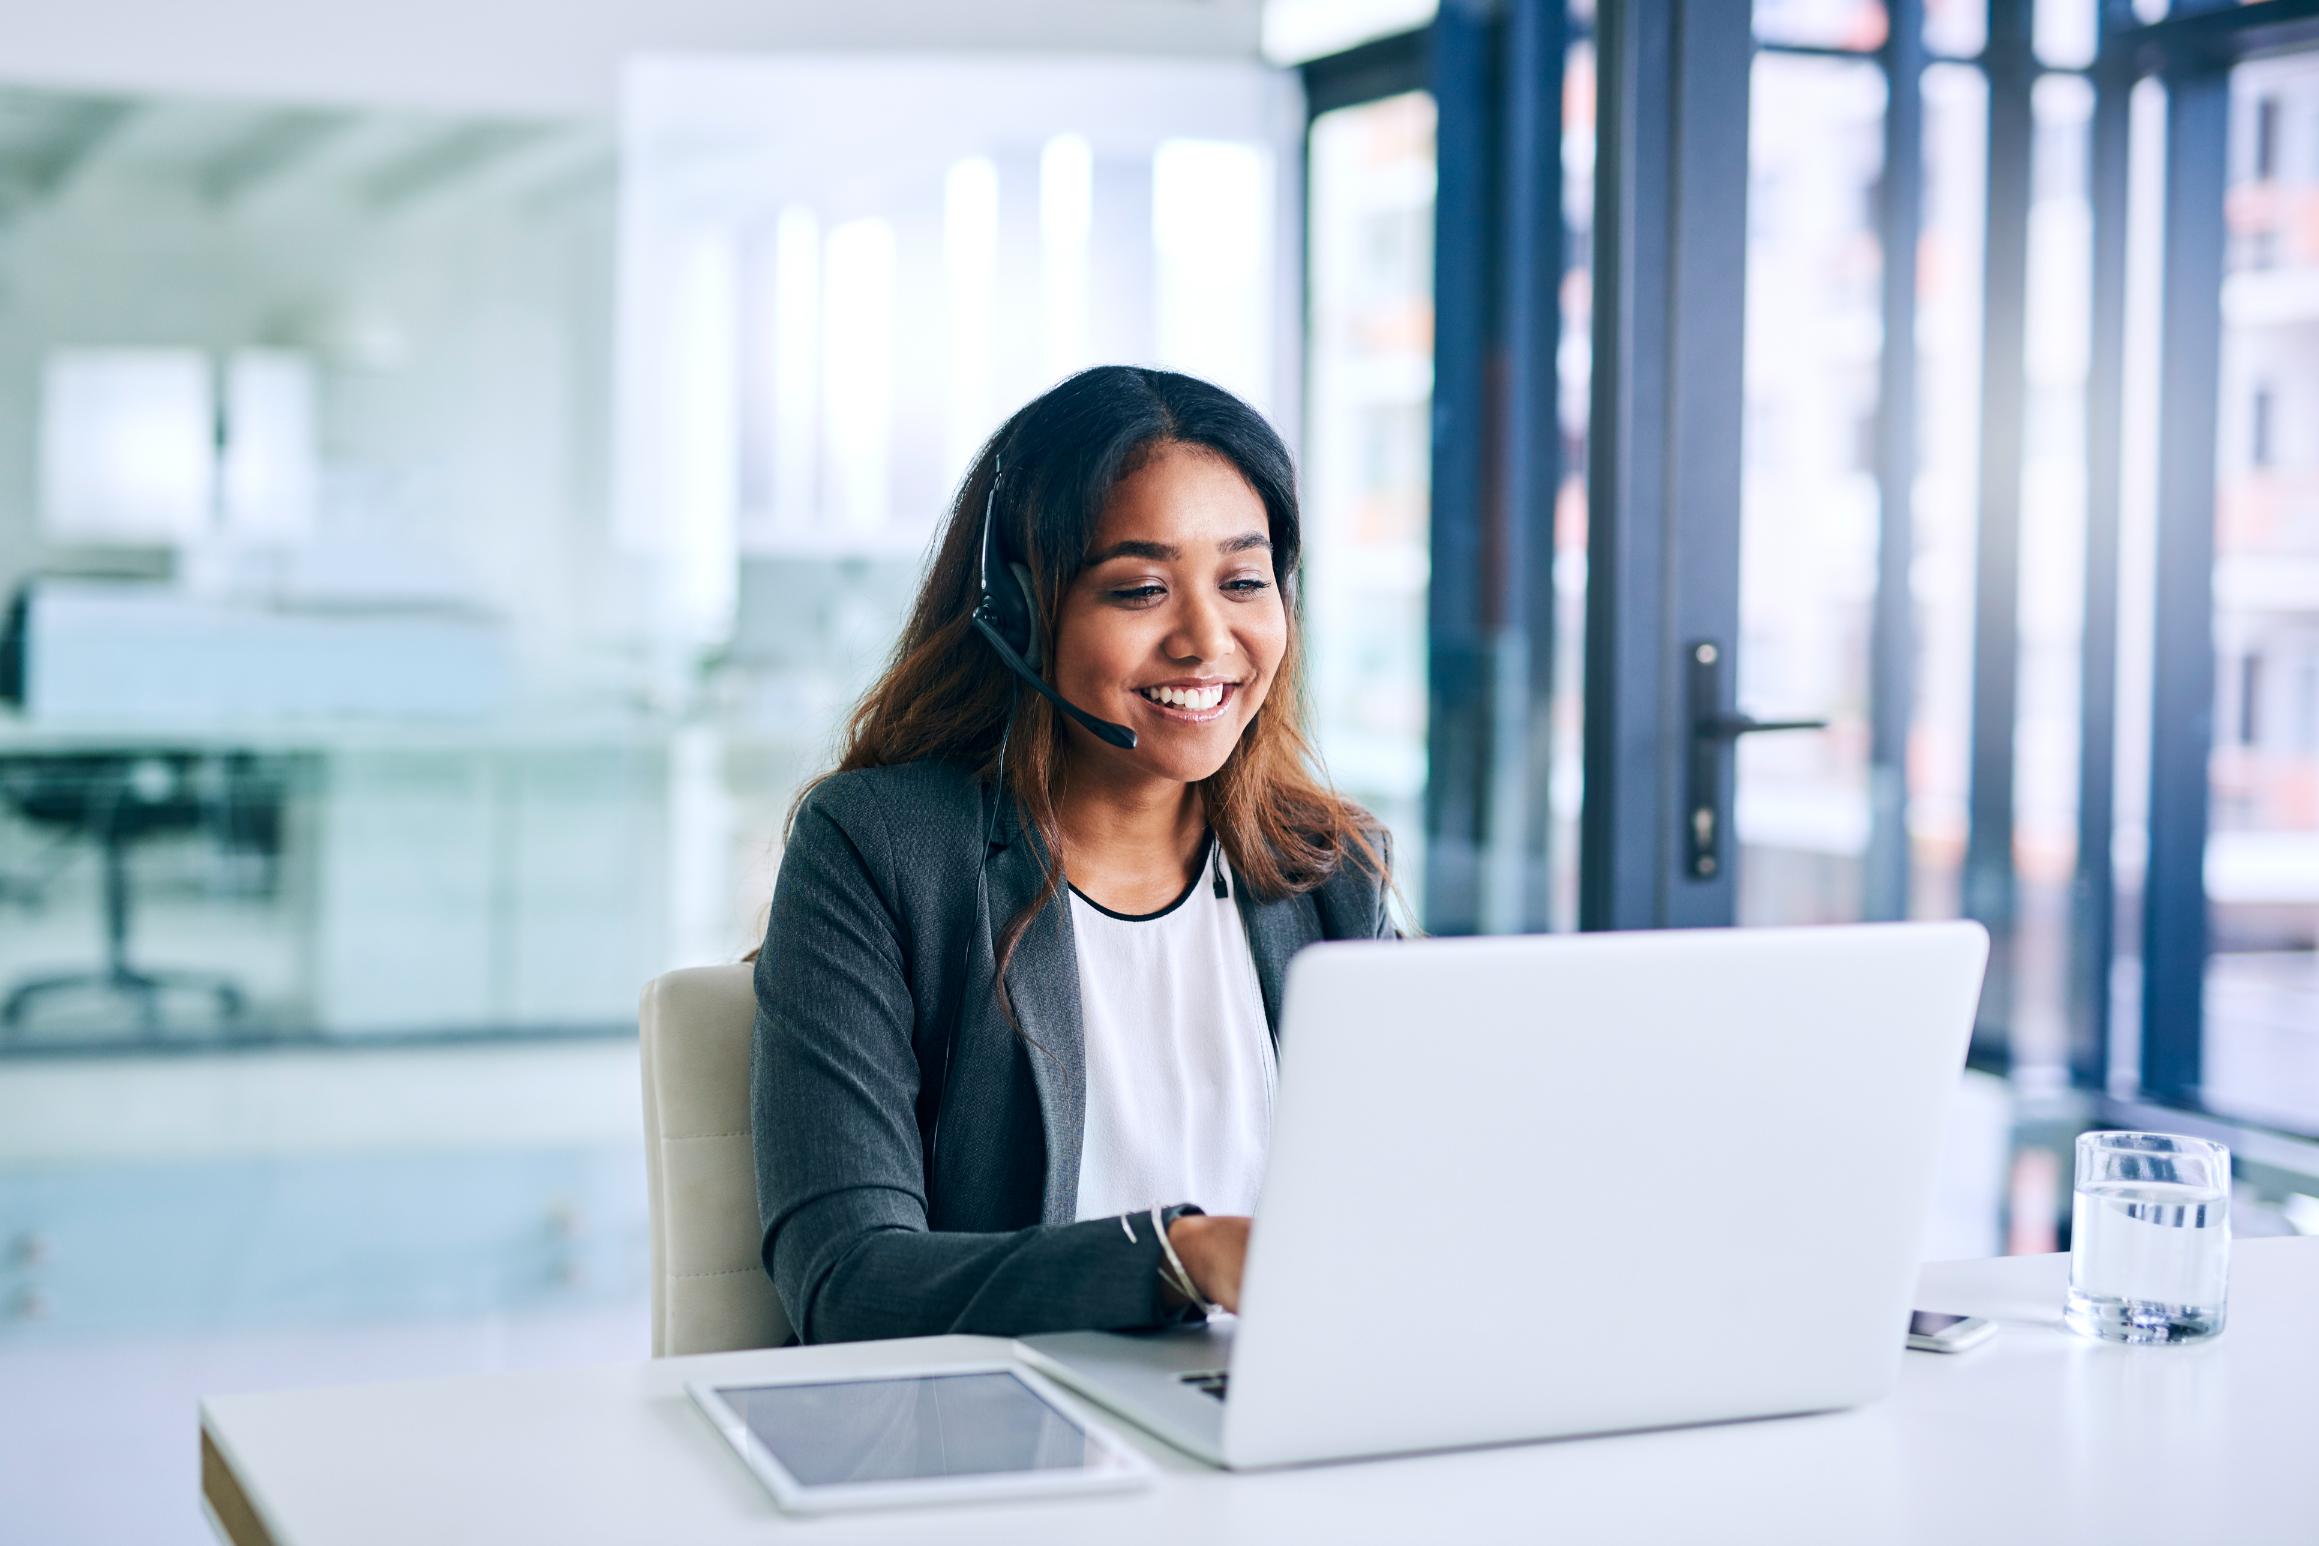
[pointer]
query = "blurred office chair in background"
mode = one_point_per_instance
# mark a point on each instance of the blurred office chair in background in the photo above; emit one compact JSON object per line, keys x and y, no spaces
{"x":710,"y":1293}
{"x":118,"y":791}
{"x":117,"y":796}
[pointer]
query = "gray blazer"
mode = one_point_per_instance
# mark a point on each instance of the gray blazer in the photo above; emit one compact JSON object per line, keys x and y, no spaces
{"x":874,"y":911}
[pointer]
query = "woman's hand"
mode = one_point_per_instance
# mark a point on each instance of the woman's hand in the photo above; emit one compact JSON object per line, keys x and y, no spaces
{"x":1213,"y":1249}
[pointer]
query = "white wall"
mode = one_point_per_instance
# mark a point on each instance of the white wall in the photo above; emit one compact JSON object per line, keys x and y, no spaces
{"x":553,"y":57}
{"x":477,"y":455}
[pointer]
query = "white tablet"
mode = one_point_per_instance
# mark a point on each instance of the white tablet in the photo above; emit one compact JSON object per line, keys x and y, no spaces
{"x":916,"y":1436}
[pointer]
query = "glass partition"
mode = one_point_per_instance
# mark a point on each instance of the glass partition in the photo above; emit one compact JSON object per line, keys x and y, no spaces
{"x":316,"y":665}
{"x":441,"y":546}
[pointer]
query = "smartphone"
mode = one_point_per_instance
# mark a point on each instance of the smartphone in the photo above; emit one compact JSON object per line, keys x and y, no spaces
{"x":1933,"y":1332}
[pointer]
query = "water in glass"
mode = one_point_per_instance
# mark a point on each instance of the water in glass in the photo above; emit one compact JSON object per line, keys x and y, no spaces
{"x":2149,"y":1251}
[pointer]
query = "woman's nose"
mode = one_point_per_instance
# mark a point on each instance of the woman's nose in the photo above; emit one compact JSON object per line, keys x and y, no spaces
{"x":1201,"y":631}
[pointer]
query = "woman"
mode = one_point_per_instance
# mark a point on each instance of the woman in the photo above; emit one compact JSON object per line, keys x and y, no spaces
{"x":1014,"y":1065}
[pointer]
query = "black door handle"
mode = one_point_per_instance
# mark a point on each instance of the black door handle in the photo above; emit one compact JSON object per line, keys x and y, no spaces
{"x":1730,"y":727}
{"x":1713,"y":729}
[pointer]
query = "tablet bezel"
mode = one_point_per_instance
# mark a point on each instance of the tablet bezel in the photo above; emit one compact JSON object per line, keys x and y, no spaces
{"x":1117,"y":1465}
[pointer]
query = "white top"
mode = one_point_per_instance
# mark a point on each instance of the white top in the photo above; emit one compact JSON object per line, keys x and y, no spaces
{"x":2035,"y":1438}
{"x":1179,"y":1058}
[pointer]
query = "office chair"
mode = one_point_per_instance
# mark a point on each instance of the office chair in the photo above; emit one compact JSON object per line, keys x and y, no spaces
{"x":710,"y":1293}
{"x":116,"y":796}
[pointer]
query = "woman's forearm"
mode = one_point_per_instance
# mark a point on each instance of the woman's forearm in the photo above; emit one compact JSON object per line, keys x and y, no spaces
{"x":1097,"y":1274}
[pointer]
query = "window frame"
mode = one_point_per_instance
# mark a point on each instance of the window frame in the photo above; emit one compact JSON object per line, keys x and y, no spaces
{"x":1497,"y":459}
{"x":1496,"y":77}
{"x":2193,"y":52}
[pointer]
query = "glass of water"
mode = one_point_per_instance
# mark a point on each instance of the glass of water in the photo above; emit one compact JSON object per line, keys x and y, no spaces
{"x":2149,"y":1239}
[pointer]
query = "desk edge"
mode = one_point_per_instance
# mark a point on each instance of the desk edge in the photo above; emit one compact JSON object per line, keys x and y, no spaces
{"x":228,"y":1505}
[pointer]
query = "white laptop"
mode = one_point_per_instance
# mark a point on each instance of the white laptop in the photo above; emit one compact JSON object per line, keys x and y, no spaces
{"x":1529,"y":1187}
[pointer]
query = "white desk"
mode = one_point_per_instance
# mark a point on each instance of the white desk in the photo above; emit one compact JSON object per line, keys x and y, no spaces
{"x":2039,"y":1436}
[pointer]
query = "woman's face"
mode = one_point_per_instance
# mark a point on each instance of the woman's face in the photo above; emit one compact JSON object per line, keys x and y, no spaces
{"x":1175,"y":628}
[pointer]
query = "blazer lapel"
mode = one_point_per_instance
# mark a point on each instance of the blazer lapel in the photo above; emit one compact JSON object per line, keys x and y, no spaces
{"x":1276,"y":931}
{"x":1043,"y":985}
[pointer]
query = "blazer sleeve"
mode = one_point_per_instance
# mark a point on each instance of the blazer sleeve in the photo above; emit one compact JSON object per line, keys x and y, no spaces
{"x":840,"y":1174}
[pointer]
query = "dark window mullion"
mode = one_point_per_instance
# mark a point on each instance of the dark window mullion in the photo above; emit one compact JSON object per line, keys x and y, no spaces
{"x":2183,"y":676}
{"x":1706,"y":395}
{"x":2210,"y":33}
{"x":1988,"y":880}
{"x":2093,"y":893}
{"x":1891,"y":644}
{"x":1663,"y":487}
{"x":1370,"y":72}
{"x":1536,"y":34}
{"x":1621,"y":840}
{"x":1459,"y":681}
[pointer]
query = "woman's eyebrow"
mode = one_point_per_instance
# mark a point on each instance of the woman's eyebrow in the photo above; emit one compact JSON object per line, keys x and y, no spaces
{"x":1163,"y":552}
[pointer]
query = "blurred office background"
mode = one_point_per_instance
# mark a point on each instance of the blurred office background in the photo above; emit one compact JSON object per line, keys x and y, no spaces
{"x":456,"y":469}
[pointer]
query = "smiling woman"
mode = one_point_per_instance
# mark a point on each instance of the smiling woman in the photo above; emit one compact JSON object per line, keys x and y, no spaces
{"x":1009,"y":1046}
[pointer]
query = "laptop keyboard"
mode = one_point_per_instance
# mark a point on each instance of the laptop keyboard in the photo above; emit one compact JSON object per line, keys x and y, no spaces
{"x":1210,"y":1384}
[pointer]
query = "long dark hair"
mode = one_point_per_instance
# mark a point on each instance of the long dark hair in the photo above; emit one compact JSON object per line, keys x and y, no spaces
{"x":945,"y":694}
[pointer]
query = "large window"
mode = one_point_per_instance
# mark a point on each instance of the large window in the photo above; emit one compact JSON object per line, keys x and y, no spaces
{"x":1368,"y":453}
{"x":2205,"y":596}
{"x":1449,"y":180}
{"x":1863,"y":450}
{"x":1961,"y":509}
{"x":2121,"y":645}
{"x":2262,"y":861}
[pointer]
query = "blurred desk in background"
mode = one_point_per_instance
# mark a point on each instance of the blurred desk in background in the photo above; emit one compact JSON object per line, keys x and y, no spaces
{"x":147,"y":654}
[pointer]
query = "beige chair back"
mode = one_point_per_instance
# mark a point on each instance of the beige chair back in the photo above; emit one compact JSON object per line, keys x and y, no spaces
{"x":709,"y":1289}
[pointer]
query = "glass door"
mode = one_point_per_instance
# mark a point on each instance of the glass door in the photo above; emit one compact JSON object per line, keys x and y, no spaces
{"x":1368,"y":451}
{"x":1444,"y":448}
{"x":1872,"y":615}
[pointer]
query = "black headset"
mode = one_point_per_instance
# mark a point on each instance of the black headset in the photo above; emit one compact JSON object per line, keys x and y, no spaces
{"x":1003,"y":615}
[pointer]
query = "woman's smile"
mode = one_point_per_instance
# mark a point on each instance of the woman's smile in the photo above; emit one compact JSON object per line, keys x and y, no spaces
{"x":1189,"y":703}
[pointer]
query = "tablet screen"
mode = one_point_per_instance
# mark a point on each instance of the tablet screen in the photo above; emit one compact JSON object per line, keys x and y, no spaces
{"x":847,"y":1432}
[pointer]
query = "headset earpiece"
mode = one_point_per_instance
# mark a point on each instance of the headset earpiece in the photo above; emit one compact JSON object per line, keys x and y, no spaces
{"x":1028,"y":640}
{"x":1008,"y":597}
{"x":1004,"y":614}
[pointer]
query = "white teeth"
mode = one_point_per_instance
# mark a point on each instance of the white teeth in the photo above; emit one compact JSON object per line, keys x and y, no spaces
{"x":1193,"y":698}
